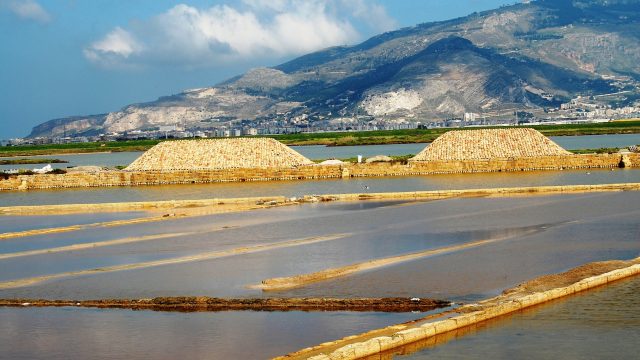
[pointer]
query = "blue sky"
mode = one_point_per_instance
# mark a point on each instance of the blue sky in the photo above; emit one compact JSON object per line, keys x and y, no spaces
{"x":78,"y":57}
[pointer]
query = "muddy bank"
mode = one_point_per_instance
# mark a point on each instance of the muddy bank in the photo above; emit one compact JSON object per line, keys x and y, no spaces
{"x":203,"y":303}
{"x":537,"y":291}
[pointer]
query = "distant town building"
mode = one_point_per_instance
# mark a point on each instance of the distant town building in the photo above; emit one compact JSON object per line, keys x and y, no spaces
{"x":469,"y":116}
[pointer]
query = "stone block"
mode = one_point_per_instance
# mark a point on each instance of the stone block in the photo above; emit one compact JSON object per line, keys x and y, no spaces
{"x":444,"y":326}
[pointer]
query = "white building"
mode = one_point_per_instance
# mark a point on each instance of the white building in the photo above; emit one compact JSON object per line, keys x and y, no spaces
{"x":469,"y":116}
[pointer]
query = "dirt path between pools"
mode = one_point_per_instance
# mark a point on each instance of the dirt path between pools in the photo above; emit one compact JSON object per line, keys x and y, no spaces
{"x":203,"y":303}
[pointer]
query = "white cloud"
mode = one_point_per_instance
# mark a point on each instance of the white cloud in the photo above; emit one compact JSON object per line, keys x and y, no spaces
{"x":375,"y":14}
{"x":188,"y":36}
{"x":117,"y":45}
{"x":28,"y":10}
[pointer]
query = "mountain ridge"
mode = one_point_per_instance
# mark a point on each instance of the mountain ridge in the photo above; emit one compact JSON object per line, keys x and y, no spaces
{"x":523,"y":57}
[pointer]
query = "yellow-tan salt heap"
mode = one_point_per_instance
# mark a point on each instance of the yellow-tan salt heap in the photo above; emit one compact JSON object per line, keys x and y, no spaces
{"x":216,"y":154}
{"x":490,"y":144}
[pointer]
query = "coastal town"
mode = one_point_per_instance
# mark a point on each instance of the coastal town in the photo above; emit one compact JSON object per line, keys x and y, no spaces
{"x":581,"y":110}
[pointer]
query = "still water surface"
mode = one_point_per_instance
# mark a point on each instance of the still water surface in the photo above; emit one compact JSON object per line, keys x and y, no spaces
{"x":65,"y":333}
{"x":599,"y":324}
{"x":326,"y":186}
{"x":542,"y":234}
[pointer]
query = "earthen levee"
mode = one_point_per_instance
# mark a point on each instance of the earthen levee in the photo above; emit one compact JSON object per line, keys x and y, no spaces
{"x":137,"y":178}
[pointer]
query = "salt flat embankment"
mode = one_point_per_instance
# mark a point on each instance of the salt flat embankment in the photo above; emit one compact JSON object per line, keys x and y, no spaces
{"x":241,"y":204}
{"x":528,"y":294}
{"x":346,"y":170}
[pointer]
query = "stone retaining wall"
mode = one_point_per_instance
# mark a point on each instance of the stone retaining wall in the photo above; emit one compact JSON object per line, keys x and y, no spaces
{"x":282,"y":200}
{"x":463,"y":318}
{"x":129,"y":178}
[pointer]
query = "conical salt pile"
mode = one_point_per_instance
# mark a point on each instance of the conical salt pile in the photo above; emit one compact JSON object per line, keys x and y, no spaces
{"x":490,"y":144}
{"x":215,"y":154}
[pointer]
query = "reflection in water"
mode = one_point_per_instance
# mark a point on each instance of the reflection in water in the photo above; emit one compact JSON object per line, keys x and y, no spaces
{"x":73,"y":333}
{"x":599,"y":324}
{"x":10,"y":223}
{"x":328,"y":186}
{"x":544,"y":234}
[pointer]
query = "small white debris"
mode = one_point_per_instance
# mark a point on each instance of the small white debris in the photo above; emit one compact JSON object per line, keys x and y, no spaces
{"x":26,"y":304}
{"x":415,"y":299}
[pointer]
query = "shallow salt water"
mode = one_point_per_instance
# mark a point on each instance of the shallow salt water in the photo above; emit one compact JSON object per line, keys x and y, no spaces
{"x":327,"y":186}
{"x":542,"y":234}
{"x":10,"y":223}
{"x":66,"y":333}
{"x":602,"y":323}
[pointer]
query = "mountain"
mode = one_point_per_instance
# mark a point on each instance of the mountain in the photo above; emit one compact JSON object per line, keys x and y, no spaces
{"x":529,"y":56}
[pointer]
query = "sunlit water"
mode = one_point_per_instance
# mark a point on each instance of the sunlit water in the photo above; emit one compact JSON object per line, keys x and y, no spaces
{"x":10,"y":223}
{"x":599,"y":324}
{"x":90,"y":159}
{"x":65,"y":333}
{"x":542,"y":234}
{"x":328,"y":186}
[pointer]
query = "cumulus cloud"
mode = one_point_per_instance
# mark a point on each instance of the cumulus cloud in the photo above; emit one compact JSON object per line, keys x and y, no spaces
{"x":27,"y":10}
{"x":117,"y":45}
{"x":189,"y":36}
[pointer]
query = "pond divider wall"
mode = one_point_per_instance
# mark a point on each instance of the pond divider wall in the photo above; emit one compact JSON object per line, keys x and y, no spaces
{"x":138,"y":178}
{"x":462,"y":317}
{"x":242,"y":204}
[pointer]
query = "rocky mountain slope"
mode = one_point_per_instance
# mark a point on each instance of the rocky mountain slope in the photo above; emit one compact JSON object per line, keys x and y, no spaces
{"x":526,"y":56}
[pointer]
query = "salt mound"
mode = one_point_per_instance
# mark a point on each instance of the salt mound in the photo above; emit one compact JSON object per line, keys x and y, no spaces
{"x":332,"y":162}
{"x":490,"y":144}
{"x":379,"y":158}
{"x":213,"y":154}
